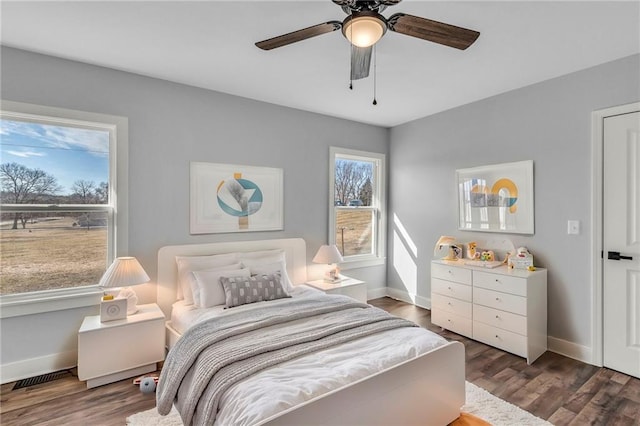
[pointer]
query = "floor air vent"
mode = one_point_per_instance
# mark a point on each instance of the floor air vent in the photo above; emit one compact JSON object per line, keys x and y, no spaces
{"x":31,"y":381}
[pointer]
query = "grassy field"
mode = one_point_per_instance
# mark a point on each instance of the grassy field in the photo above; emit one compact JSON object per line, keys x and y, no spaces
{"x":355,"y":226}
{"x":50,"y":254}
{"x":55,"y":254}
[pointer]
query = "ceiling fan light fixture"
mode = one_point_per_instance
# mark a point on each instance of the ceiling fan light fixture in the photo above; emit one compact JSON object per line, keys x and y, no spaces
{"x":364,"y":30}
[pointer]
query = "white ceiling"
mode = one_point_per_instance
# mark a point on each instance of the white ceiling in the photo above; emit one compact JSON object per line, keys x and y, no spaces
{"x":210,"y":44}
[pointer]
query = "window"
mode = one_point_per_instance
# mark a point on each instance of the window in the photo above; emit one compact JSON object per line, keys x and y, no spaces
{"x":357,"y":213}
{"x":58,"y":220}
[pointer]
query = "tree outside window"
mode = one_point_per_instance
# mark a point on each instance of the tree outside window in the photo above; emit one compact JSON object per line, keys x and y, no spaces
{"x":56,"y":222}
{"x":357,"y":212}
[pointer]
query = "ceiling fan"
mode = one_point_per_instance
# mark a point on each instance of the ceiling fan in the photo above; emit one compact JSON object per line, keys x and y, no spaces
{"x":364,"y":26}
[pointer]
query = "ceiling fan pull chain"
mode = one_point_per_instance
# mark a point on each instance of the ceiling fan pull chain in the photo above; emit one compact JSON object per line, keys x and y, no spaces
{"x":375,"y":63}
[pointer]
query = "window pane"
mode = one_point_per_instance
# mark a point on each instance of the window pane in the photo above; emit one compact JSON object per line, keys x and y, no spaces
{"x":47,"y":164}
{"x":354,"y":183}
{"x":51,"y":250}
{"x":354,"y":230}
{"x":51,"y":162}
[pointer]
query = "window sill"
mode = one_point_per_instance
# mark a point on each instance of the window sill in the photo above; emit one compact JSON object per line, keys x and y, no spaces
{"x":362,"y":263}
{"x":14,"y":305}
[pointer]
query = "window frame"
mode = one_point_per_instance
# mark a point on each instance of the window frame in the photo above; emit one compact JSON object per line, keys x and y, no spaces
{"x":117,"y":208}
{"x":379,"y":206}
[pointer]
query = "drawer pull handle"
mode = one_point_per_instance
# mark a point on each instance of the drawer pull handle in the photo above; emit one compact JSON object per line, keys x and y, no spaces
{"x":449,"y":303}
{"x":450,"y":271}
{"x":497,"y":316}
{"x":498,"y":299}
{"x":497,"y":337}
{"x":449,"y":288}
{"x":497,"y":280}
{"x":449,"y":320}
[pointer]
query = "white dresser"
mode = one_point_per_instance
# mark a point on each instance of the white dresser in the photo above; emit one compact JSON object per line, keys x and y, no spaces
{"x":505,"y":308}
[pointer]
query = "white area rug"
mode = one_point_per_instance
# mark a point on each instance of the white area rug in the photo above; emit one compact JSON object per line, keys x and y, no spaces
{"x":480,"y":403}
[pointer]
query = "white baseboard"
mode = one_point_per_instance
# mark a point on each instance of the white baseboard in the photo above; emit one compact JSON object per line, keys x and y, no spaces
{"x":403,"y":296}
{"x":23,"y":369}
{"x":570,"y":349}
{"x":376,"y":293}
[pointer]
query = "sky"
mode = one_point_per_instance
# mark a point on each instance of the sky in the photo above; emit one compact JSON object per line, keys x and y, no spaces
{"x":67,"y":153}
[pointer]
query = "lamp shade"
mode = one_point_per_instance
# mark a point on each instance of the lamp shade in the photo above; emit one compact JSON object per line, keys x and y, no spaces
{"x":328,"y":254}
{"x":124,"y":272}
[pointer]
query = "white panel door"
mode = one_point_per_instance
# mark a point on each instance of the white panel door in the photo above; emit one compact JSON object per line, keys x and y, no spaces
{"x":621,"y":241}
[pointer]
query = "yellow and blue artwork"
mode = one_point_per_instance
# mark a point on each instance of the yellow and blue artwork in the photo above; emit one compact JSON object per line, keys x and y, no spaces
{"x":496,"y":198}
{"x":232,"y":198}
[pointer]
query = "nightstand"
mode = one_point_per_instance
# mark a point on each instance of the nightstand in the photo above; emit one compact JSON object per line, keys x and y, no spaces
{"x":115,"y":350}
{"x":348,"y":286}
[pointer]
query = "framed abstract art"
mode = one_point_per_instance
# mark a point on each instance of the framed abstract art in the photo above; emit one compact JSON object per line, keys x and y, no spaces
{"x":232,"y":198}
{"x":496,"y":198}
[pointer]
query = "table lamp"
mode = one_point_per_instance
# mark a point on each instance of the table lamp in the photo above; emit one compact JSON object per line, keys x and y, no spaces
{"x":125,"y":272}
{"x":330,"y":255}
{"x":445,"y":241}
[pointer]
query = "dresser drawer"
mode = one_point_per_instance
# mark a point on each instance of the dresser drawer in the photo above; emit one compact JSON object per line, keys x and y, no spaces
{"x":451,"y":273}
{"x":501,"y":319}
{"x":451,"y":289}
{"x":499,"y":282}
{"x":450,"y":304}
{"x":505,"y":340}
{"x":452,"y":322}
{"x":501,"y":301}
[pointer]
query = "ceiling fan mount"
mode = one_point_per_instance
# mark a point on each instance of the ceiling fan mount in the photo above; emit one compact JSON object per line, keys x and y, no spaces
{"x":365,"y":25}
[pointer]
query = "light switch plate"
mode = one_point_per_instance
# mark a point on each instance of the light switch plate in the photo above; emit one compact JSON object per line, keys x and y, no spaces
{"x":573,"y":227}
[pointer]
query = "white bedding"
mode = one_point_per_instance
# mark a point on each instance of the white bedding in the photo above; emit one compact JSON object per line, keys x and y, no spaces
{"x":276,"y":389}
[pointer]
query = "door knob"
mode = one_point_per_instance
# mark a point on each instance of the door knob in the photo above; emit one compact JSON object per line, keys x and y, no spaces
{"x":615,"y":255}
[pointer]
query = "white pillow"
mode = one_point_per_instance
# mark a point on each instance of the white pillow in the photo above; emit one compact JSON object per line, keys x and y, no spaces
{"x":195,"y":287}
{"x":188,"y":264}
{"x":271,"y":268}
{"x":211,"y":290}
{"x":277,"y":254}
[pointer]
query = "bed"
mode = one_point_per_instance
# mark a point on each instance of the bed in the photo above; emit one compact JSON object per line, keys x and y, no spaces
{"x":378,"y":380}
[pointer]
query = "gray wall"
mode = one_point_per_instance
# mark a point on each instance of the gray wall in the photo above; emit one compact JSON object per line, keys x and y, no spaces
{"x":169,"y":126}
{"x":549,"y":123}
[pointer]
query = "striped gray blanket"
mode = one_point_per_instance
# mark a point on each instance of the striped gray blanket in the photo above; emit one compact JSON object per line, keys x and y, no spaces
{"x":217,"y":353}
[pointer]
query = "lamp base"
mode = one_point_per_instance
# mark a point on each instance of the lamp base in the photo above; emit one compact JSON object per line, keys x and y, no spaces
{"x":132,"y":299}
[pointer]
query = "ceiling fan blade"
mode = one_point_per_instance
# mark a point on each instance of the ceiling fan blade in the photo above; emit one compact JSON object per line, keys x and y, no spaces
{"x":299,"y":35}
{"x":360,"y":61}
{"x":437,"y":32}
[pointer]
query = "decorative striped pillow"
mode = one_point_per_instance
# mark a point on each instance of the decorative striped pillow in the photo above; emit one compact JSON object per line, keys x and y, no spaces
{"x":259,"y":288}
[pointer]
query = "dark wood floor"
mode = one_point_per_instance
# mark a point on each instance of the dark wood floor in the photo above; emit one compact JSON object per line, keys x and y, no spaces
{"x":556,"y":388}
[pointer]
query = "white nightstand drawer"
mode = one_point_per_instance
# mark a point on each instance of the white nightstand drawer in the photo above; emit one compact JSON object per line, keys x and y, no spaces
{"x":500,"y":282}
{"x":451,"y":289}
{"x":449,"y":304}
{"x":115,"y":350}
{"x":506,"y":340}
{"x":501,"y":319}
{"x":452,"y":322}
{"x":501,"y":301}
{"x":451,"y":273}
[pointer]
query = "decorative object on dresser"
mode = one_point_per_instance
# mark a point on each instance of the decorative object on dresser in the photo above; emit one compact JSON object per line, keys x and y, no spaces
{"x":454,"y":252}
{"x":348,"y":286}
{"x":502,"y":307}
{"x":123,"y":272}
{"x":330,"y":255}
{"x":116,"y":350}
{"x":496,"y":198}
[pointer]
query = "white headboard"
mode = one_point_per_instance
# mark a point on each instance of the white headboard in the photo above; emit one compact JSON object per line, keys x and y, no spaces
{"x":295,"y":252}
